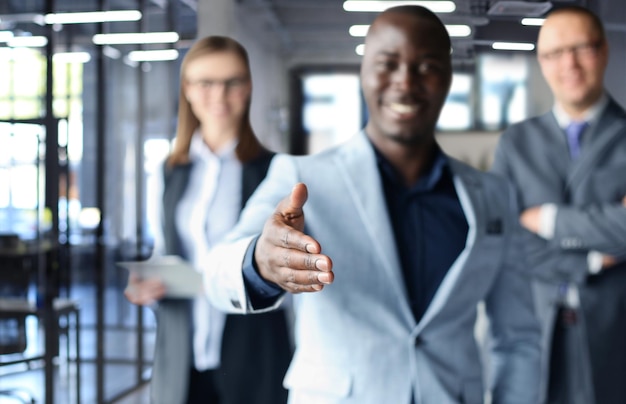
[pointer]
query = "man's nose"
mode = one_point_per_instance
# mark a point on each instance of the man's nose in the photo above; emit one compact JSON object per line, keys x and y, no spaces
{"x":404,"y":77}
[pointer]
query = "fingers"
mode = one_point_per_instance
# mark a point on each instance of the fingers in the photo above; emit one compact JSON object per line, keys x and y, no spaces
{"x":313,"y":279}
{"x":288,"y":257}
{"x":144,"y":291}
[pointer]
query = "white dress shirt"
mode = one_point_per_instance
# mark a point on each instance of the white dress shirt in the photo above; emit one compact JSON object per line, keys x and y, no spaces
{"x":206,"y":212}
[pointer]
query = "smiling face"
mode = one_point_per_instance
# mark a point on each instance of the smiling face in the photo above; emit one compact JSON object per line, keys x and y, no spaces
{"x":405,"y":77}
{"x":573,"y":56}
{"x":217,"y":86}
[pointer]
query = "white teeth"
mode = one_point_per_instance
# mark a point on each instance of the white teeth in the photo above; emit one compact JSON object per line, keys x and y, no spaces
{"x":402,"y":108}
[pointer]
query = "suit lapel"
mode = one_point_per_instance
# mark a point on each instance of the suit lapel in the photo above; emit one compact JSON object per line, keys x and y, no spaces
{"x":468,"y":188}
{"x":358,"y":167}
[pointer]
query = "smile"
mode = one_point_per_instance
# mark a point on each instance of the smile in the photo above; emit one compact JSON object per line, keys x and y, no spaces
{"x":403,"y":110}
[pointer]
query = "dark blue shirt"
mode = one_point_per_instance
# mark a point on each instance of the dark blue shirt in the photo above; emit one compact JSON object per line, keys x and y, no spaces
{"x":429,"y":226}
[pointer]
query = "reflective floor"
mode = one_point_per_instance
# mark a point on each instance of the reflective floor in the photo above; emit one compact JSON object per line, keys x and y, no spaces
{"x":122,"y":377}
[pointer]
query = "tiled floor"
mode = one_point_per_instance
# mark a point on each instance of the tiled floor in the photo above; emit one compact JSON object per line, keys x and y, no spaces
{"x":119,"y":349}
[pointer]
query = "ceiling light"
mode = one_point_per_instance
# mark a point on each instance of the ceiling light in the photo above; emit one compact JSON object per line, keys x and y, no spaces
{"x":521,"y":46}
{"x":27,"y":42}
{"x":71,"y":57}
{"x":92,"y":17}
{"x":533,"y":21}
{"x":153,"y":55}
{"x":358,"y":30}
{"x":458,"y":30}
{"x":360,"y":49}
{"x":5,"y":36}
{"x":454,"y":30}
{"x":377,"y":6}
{"x":135,"y":38}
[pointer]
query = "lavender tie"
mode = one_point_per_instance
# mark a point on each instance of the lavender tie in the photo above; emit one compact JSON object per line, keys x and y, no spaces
{"x":573,"y":132}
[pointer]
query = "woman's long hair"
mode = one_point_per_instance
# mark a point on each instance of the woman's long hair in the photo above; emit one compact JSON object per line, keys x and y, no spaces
{"x":248,"y":146}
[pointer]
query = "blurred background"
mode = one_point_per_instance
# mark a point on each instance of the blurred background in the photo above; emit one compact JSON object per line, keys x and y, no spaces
{"x":87,"y":116}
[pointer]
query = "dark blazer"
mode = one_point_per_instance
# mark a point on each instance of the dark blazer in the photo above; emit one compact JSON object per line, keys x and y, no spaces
{"x":588,"y":192}
{"x":256,"y":350}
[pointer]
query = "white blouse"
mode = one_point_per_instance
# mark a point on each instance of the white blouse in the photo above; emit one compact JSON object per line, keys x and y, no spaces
{"x":206,"y":212}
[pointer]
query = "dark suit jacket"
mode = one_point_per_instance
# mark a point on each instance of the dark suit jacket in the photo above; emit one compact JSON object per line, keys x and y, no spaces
{"x":256,"y":350}
{"x":534,"y":156}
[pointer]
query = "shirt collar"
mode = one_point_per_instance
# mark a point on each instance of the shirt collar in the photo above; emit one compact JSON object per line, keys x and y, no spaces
{"x":590,"y":116}
{"x":198,"y":150}
{"x":429,"y":178}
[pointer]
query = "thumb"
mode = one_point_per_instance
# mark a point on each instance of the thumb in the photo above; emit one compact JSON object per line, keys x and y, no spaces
{"x":295,"y":202}
{"x":299,"y":195}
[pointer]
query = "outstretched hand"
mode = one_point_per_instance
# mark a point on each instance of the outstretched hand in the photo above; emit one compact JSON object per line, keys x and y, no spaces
{"x":285,"y":255}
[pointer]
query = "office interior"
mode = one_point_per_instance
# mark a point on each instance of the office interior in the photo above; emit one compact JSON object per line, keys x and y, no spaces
{"x":86,"y":122}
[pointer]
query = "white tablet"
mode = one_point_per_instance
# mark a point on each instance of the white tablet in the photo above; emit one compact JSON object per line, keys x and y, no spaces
{"x":180,"y":278}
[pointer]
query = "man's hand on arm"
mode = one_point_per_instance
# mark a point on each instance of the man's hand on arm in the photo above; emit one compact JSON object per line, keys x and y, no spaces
{"x":285,"y":255}
{"x":531,"y":219}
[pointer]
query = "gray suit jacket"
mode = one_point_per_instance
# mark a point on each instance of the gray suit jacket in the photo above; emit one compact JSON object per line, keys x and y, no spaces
{"x":255,"y":350}
{"x":588,"y":193}
{"x":357,"y":340}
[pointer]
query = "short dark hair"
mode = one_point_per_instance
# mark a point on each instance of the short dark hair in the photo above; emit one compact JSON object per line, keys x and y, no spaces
{"x":422,"y":13}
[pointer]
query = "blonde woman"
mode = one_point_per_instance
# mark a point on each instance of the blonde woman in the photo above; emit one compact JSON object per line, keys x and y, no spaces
{"x":202,"y":355}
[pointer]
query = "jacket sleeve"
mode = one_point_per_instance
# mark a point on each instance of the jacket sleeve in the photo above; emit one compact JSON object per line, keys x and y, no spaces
{"x":223,"y":265}
{"x":599,"y":227}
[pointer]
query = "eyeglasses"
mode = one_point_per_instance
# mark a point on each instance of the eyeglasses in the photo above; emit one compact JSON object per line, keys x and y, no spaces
{"x":582,"y":50}
{"x":231,"y":84}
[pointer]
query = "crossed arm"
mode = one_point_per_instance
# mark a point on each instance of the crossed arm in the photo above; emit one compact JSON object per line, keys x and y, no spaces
{"x":598,"y":228}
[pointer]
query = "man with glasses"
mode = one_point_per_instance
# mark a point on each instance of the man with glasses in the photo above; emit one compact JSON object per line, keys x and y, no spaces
{"x":568,"y":167}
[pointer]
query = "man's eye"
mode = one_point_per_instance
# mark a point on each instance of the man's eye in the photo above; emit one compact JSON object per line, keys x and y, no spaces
{"x":387,"y":65}
{"x":428,"y":67}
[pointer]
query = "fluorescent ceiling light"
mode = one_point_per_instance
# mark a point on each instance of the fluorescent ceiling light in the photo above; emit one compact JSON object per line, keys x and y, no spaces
{"x":92,"y":17}
{"x":135,"y":38}
{"x":153,"y":55}
{"x":27,"y":42}
{"x":71,"y":57}
{"x":458,"y":30}
{"x":358,"y":30}
{"x":6,"y":36}
{"x":360,"y":49}
{"x":377,"y":6}
{"x":513,"y":46}
{"x":533,"y":21}
{"x":454,"y":30}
